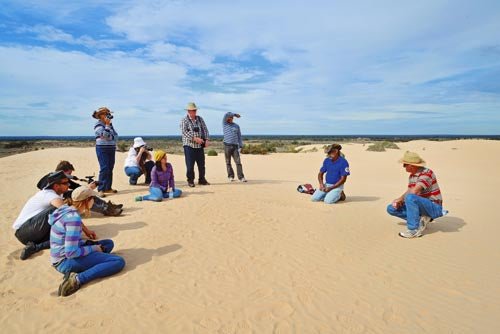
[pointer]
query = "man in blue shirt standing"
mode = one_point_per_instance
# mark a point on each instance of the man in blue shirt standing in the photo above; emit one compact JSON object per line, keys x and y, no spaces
{"x":336,"y":168}
{"x":232,"y":146}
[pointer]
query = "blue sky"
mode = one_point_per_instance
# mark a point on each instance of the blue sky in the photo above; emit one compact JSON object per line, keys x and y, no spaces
{"x":289,"y":67}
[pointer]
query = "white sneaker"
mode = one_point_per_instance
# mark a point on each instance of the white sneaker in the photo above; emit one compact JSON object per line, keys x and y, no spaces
{"x":230,"y":179}
{"x":411,"y":233}
{"x":243,"y":179}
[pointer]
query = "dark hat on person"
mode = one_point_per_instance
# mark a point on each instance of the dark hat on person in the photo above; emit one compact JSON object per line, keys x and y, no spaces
{"x":56,"y":177}
{"x":332,"y":147}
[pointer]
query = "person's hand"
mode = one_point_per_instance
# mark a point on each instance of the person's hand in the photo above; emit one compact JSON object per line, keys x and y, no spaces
{"x":237,"y":115}
{"x":198,"y":140}
{"x":397,"y":203}
{"x":107,"y":121}
{"x":207,"y":143}
{"x":92,"y":185}
{"x":322,"y":187}
{"x":89,"y":233}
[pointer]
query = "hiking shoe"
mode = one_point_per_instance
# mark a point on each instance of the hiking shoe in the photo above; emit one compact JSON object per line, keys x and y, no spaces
{"x":203,"y":182}
{"x":29,"y":250}
{"x":101,"y":194}
{"x":69,"y":285}
{"x":411,"y":233}
{"x":191,"y":184}
{"x":342,"y":196}
{"x":243,"y":179}
{"x":445,"y":212}
{"x":138,"y":198}
{"x":115,"y":206}
{"x":110,"y":191}
{"x":110,"y":211}
{"x":230,"y":179}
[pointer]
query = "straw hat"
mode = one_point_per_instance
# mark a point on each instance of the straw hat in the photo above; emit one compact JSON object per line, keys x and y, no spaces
{"x":100,"y":111}
{"x":158,"y":155}
{"x":191,"y":106}
{"x":412,"y":158}
{"x":82,"y":193}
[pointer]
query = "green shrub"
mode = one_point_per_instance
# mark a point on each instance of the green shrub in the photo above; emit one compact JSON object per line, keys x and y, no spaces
{"x":212,"y":153}
{"x":122,"y":146}
{"x":263,"y":148}
{"x":381,"y":146}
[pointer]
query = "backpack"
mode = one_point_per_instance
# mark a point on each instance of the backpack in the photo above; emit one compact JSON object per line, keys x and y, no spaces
{"x":306,"y":189}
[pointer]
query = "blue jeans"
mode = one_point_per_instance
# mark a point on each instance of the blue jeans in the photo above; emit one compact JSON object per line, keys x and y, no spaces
{"x":157,"y":195}
{"x":94,"y":265}
{"x":191,"y":156}
{"x":134,"y":172}
{"x":413,"y":208}
{"x":106,"y":158}
{"x":330,"y":197}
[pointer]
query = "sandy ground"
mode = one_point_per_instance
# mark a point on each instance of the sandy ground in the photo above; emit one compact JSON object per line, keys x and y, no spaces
{"x":262,"y":258}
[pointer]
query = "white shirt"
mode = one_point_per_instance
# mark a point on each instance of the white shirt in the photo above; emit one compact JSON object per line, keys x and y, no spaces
{"x":130,"y":160}
{"x":36,"y":204}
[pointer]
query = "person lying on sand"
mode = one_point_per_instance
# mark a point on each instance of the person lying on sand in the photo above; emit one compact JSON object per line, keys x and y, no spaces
{"x":100,"y":206}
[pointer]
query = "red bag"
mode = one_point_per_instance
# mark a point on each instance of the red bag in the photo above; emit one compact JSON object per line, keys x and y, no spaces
{"x":306,"y":189}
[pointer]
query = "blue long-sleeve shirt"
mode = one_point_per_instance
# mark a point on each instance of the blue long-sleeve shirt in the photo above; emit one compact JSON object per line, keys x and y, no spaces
{"x":105,"y":135}
{"x":65,"y":235}
{"x":232,"y":133}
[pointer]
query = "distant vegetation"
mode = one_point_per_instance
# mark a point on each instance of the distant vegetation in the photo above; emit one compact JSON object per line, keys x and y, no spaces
{"x":212,"y":153}
{"x":380,"y":146}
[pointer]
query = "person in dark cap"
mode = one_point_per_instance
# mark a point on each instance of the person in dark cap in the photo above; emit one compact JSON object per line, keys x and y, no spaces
{"x":31,"y":226}
{"x":100,"y":206}
{"x":336,"y":168}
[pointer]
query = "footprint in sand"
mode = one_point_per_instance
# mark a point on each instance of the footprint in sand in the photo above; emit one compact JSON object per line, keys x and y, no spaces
{"x":282,"y":327}
{"x":210,"y":324}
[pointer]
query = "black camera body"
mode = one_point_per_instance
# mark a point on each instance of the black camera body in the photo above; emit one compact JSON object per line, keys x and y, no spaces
{"x":90,"y":179}
{"x":109,"y":116}
{"x":149,"y":148}
{"x":204,"y":143}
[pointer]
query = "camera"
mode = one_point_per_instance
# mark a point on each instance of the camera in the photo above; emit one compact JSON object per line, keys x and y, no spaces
{"x":90,"y":179}
{"x":196,"y":128}
{"x":109,"y":116}
{"x":149,"y":148}
{"x":204,"y":142}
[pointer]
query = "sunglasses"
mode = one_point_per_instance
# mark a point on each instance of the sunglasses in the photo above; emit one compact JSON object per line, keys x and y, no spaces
{"x":65,"y":183}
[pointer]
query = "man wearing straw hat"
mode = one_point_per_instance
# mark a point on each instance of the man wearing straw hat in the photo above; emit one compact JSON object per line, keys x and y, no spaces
{"x":194,"y":138}
{"x":422,"y":202}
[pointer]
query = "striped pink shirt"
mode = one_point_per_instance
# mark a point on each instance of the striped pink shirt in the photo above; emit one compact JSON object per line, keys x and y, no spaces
{"x":430,"y":188}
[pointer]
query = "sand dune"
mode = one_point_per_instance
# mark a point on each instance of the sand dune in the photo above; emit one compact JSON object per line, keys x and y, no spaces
{"x":261,"y":258}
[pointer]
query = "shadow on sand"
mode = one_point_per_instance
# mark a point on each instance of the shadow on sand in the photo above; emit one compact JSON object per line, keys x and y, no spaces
{"x":108,"y":231}
{"x":443,"y":224}
{"x":135,"y":257}
{"x":361,"y":198}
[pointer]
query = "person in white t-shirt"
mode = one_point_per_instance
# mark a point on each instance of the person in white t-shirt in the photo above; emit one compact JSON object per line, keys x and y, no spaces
{"x":139,"y":161}
{"x":31,"y":226}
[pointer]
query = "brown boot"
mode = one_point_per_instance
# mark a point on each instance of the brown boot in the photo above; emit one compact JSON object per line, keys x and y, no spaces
{"x":342,"y":196}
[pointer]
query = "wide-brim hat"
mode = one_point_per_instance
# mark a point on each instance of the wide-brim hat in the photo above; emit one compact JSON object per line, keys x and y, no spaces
{"x":191,"y":106}
{"x":332,"y":147}
{"x":82,"y":193}
{"x":138,"y":142}
{"x":158,"y":155}
{"x":412,"y":158}
{"x":101,"y":110}
{"x":56,"y":177}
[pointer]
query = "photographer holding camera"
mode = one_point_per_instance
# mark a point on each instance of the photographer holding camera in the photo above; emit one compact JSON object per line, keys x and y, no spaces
{"x":195,"y":138}
{"x":139,"y":161}
{"x":100,"y":206}
{"x":106,"y":139}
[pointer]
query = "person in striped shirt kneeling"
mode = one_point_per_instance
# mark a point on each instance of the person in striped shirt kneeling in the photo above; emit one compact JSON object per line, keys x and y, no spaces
{"x":422,"y":202}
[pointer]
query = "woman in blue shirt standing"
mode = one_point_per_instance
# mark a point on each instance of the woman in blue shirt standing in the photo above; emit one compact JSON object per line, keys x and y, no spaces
{"x":106,"y":139}
{"x":336,"y":168}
